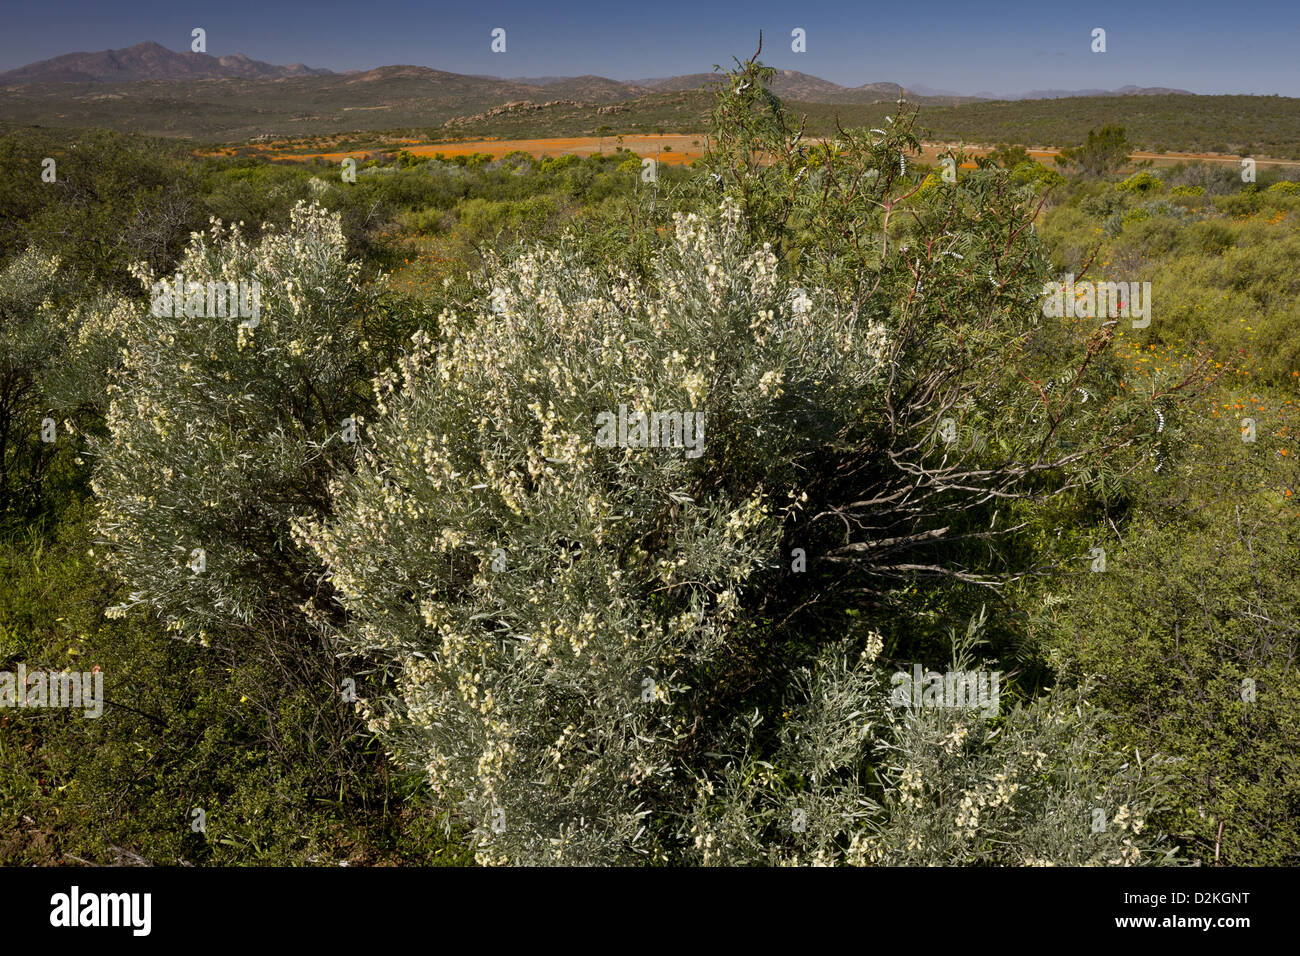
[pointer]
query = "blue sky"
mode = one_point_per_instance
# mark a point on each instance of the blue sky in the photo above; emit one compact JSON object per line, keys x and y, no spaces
{"x":1007,"y":47}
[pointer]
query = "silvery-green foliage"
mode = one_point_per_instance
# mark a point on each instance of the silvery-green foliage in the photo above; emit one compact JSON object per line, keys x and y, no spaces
{"x":795,"y":793}
{"x":29,"y":283}
{"x":877,"y":785}
{"x":33,"y":329}
{"x":558,"y":618}
{"x":35,"y":332}
{"x":1042,"y":787}
{"x":220,"y":429}
{"x":78,"y":382}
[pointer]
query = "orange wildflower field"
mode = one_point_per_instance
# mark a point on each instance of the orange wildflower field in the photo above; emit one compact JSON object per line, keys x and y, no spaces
{"x":672,"y":148}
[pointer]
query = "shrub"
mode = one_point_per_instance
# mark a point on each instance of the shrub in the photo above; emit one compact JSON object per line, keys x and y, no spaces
{"x":1107,"y":205}
{"x":219,"y":430}
{"x":1216,"y":180}
{"x":36,"y":333}
{"x":426,"y":221}
{"x":1213,"y":237}
{"x":1141,"y":182}
{"x":1243,"y":204}
{"x":1009,"y":156}
{"x":481,"y":220}
{"x":1146,"y":212}
{"x":1105,"y":151}
{"x":853,"y":780}
{"x":182,"y":727}
{"x":117,"y":199}
{"x":1190,"y":640}
{"x":526,"y":587}
{"x":577,"y":639}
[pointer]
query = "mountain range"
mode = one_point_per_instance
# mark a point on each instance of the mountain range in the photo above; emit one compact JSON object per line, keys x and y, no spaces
{"x":148,"y":61}
{"x":151,"y":61}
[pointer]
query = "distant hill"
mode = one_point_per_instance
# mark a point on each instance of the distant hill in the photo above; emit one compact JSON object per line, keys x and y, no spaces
{"x":233,"y":99}
{"x":149,"y":61}
{"x":152,"y":61}
{"x":793,"y":85}
{"x":676,"y":84}
{"x":598,"y":89}
{"x":1122,"y":91}
{"x":1051,"y":94}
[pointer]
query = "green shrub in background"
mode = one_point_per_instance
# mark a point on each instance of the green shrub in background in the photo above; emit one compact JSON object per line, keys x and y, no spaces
{"x":1190,"y":638}
{"x":35,"y":332}
{"x":1141,"y":182}
{"x":116,"y":200}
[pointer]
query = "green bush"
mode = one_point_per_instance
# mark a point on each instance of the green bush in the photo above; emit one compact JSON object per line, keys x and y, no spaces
{"x":115,"y":200}
{"x":1141,"y":182}
{"x":182,"y":728}
{"x":479,"y":220}
{"x":1190,"y":639}
{"x":856,"y":781}
{"x":35,"y":334}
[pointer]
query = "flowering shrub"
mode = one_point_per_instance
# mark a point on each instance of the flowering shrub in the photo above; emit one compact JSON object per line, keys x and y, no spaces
{"x":854,"y":781}
{"x":587,"y":633}
{"x":560,"y":619}
{"x":219,"y":428}
{"x":642,"y":531}
{"x":1141,"y":182}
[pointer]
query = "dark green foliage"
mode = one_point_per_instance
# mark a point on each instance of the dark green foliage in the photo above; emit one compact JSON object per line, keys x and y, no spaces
{"x":116,"y":200}
{"x":183,"y":729}
{"x":1191,"y":638}
{"x":1106,"y":150}
{"x":1009,"y":156}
